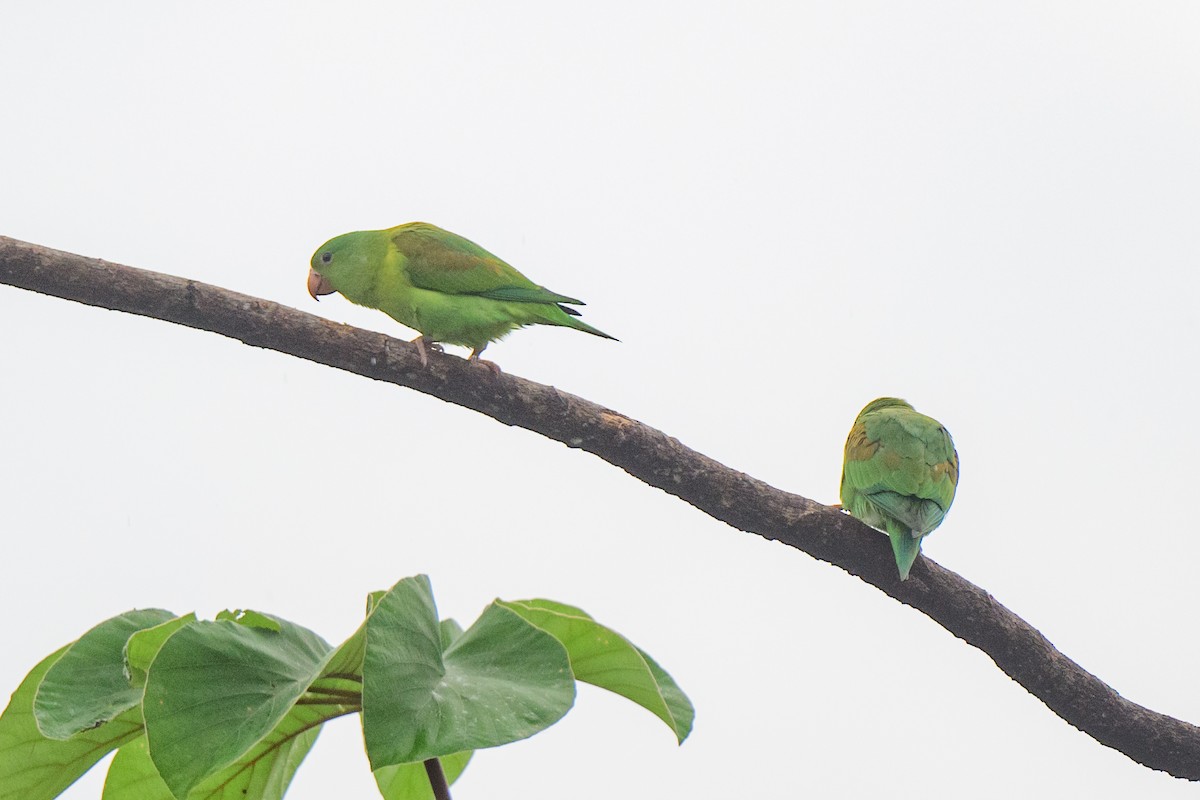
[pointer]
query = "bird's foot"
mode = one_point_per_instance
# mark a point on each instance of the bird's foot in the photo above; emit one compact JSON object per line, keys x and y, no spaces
{"x":420,"y":343}
{"x":475,"y":359}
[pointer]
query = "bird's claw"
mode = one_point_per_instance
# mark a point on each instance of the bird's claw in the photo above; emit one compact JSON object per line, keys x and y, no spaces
{"x":420,"y":343}
{"x":475,"y":359}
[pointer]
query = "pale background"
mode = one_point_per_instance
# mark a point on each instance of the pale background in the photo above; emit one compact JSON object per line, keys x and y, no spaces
{"x":783,"y":210}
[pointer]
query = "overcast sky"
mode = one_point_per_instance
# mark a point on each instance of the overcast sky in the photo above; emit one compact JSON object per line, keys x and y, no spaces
{"x":783,"y":210}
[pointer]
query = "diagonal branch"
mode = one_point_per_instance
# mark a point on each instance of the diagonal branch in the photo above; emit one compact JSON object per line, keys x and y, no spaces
{"x":967,"y":611}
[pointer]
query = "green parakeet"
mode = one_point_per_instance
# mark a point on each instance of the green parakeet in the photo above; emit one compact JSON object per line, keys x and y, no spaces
{"x":899,"y":475}
{"x":436,"y":282}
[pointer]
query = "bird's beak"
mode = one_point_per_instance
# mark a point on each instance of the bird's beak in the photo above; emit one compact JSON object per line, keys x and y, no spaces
{"x":318,"y":285}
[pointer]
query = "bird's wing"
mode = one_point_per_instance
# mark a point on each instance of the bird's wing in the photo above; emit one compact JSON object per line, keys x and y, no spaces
{"x":445,"y":262}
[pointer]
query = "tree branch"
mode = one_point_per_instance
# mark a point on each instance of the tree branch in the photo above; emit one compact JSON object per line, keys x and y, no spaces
{"x":967,"y":611}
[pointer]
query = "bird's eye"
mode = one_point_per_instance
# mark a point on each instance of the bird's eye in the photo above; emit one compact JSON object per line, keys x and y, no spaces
{"x":326,"y":258}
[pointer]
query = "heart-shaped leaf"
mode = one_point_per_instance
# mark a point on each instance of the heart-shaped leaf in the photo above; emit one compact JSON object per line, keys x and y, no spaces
{"x":216,"y":689}
{"x":502,"y":680}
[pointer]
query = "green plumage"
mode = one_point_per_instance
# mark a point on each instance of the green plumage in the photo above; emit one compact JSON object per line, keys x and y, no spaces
{"x":900,"y":474}
{"x":436,"y":282}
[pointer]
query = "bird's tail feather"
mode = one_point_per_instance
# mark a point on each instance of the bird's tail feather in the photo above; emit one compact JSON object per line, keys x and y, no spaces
{"x":579,"y":325}
{"x":905,"y":546}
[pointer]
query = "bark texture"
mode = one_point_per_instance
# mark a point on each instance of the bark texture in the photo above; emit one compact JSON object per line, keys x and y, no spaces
{"x":649,"y":455}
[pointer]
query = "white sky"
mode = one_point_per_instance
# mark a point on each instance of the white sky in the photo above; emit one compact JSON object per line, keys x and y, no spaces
{"x":783,"y":210}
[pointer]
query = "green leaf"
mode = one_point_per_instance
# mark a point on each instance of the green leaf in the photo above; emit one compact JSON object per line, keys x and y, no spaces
{"x":144,"y":645}
{"x":263,"y":773}
{"x":33,"y":767}
{"x":217,"y":688}
{"x":344,"y":670}
{"x":605,"y":658}
{"x":411,"y":782}
{"x":87,"y":686}
{"x":502,"y":680}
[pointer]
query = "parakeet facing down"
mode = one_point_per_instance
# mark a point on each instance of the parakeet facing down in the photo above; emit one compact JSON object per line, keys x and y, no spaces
{"x":449,"y":289}
{"x":899,"y":475}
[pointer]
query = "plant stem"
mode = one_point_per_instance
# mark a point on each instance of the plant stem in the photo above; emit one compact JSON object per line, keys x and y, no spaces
{"x":437,"y":779}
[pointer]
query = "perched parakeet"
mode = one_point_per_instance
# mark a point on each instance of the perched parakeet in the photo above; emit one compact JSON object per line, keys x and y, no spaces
{"x":900,"y":474}
{"x":436,"y":282}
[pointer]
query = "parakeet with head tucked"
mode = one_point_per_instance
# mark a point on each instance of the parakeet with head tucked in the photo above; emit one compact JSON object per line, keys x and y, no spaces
{"x":436,"y":282}
{"x":900,"y":474}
